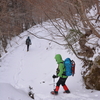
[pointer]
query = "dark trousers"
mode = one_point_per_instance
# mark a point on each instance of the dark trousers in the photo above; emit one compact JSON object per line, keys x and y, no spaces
{"x":61,"y":81}
{"x":27,"y":47}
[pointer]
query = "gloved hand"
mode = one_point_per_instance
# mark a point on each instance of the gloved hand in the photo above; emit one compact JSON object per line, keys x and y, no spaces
{"x":54,"y":76}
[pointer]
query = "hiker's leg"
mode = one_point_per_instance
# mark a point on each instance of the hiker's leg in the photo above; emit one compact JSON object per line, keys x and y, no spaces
{"x":55,"y":92}
{"x":65,"y":86}
{"x":66,"y":89}
{"x":27,"y":47}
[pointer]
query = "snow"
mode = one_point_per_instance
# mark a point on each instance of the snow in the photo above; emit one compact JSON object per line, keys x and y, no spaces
{"x":21,"y":69}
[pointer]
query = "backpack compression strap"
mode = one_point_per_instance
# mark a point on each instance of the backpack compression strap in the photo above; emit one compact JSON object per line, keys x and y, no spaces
{"x":73,"y":67}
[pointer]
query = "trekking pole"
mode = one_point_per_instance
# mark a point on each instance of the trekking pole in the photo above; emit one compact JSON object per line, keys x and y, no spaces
{"x":53,"y":83}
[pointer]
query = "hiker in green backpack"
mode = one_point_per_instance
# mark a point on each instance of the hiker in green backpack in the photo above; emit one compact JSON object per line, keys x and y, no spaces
{"x":60,"y":73}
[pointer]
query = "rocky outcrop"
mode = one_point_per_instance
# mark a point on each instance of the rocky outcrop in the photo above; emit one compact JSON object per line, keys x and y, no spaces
{"x":91,"y":75}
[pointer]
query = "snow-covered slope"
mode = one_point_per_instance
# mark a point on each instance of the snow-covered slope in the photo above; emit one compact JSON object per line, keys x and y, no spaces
{"x":21,"y":69}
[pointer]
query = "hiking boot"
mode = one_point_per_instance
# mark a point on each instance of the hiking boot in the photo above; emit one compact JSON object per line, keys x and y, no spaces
{"x":67,"y":91}
{"x":54,"y":92}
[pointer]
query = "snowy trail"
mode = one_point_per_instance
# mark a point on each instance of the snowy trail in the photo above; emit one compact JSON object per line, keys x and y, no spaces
{"x":35,"y":68}
{"x":25,"y":63}
{"x":24,"y":67}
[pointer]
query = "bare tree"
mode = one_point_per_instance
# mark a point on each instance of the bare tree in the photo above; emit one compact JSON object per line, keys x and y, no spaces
{"x":69,"y":19}
{"x":15,"y":17}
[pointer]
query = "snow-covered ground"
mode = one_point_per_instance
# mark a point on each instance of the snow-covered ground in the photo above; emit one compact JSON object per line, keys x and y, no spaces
{"x":21,"y":69}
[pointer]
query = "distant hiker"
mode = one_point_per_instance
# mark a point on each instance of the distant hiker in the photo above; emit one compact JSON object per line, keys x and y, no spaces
{"x":62,"y":77}
{"x":28,"y":43}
